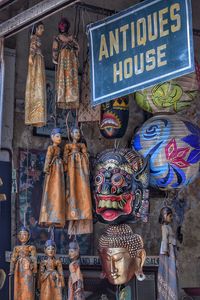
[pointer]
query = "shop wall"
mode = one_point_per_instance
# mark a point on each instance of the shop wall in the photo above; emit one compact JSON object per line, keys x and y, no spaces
{"x":189,"y":250}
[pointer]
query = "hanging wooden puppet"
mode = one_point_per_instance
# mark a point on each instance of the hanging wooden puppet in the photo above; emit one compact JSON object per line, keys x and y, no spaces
{"x":23,"y":266}
{"x":65,"y":57}
{"x":35,"y":96}
{"x":167,"y":271}
{"x":79,"y":204}
{"x":51,"y":279}
{"x":53,"y":208}
{"x":75,"y":282}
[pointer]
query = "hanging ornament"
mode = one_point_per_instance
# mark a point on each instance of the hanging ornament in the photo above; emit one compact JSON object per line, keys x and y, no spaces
{"x":173,"y":144}
{"x":121,"y":181}
{"x":122,"y":254}
{"x":114,"y":118}
{"x":171,"y":96}
{"x":23,"y":266}
{"x":51,"y":279}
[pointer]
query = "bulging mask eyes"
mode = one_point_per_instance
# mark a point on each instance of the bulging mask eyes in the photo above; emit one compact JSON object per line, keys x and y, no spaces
{"x":117,"y":180}
{"x":99,"y":179}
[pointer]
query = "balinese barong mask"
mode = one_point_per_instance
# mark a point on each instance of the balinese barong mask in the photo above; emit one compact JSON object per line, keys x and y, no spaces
{"x":120,"y":186}
{"x":122,"y":254}
{"x":114,"y":118}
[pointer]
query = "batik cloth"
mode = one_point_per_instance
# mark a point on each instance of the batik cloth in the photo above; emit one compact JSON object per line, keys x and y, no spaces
{"x":51,"y":279}
{"x":24,"y":265}
{"x":167,"y":271}
{"x":78,"y":194}
{"x":53,"y":208}
{"x":87,"y":112}
{"x":35,"y":96}
{"x":67,"y":73}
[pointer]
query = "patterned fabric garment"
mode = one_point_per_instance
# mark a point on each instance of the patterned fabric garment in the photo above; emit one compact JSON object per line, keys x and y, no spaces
{"x":24,"y":266}
{"x":87,"y":112}
{"x":53,"y":199}
{"x":35,"y":97}
{"x":167,"y":271}
{"x":51,"y":279}
{"x":65,"y":52}
{"x":79,"y":204}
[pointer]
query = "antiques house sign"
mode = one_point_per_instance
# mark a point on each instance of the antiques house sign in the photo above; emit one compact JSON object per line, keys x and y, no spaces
{"x":146,"y":44}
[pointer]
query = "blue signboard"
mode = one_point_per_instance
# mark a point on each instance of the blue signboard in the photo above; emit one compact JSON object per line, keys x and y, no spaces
{"x":146,"y":44}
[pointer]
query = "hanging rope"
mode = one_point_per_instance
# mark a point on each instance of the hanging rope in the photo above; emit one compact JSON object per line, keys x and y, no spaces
{"x":55,"y":99}
{"x":67,"y":126}
{"x":27,"y":175}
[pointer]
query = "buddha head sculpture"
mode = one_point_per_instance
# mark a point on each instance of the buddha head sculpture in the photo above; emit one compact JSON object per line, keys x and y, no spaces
{"x":56,"y":136}
{"x":114,"y":118}
{"x":23,"y":235}
{"x":50,"y":248}
{"x":122,"y":254}
{"x":121,"y":179}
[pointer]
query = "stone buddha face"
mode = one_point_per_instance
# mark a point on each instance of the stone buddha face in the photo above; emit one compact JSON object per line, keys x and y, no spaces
{"x":122,"y":255}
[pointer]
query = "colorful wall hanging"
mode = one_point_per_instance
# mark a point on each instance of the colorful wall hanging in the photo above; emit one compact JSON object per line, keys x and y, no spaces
{"x":173,"y":144}
{"x":170,"y":96}
{"x":35,"y":96}
{"x":23,"y":266}
{"x":65,"y":57}
{"x":114,"y":118}
{"x":122,"y":254}
{"x":121,"y":181}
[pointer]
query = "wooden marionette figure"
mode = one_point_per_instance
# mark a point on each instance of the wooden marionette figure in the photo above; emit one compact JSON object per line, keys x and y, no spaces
{"x":53,"y":211}
{"x":75,"y":282}
{"x":78,"y":194}
{"x":65,"y":57}
{"x":51,"y":279}
{"x":35,"y":96}
{"x":167,"y":271}
{"x":23,"y":266}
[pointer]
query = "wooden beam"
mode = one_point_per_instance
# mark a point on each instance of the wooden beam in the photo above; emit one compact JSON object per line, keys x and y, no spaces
{"x":34,"y":14}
